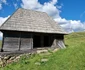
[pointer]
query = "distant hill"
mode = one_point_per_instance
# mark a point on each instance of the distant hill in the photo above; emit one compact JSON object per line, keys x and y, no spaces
{"x":75,"y":35}
{"x":71,"y":58}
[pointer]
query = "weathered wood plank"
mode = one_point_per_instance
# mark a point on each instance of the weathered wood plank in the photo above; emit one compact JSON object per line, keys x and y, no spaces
{"x":11,"y":44}
{"x":25,"y":43}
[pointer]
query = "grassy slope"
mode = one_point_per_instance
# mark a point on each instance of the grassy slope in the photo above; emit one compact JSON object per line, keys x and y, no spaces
{"x":71,"y":58}
{"x":0,"y":43}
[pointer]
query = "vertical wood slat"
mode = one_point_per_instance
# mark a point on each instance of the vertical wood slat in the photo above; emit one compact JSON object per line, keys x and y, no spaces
{"x":31,"y":41}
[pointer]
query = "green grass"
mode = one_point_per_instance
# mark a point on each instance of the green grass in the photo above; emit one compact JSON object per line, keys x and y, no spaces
{"x":0,"y":43}
{"x":71,"y":58}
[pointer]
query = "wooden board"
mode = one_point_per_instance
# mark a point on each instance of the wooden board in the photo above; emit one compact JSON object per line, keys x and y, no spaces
{"x":11,"y":44}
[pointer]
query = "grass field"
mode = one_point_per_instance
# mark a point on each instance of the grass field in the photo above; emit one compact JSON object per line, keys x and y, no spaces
{"x":71,"y":58}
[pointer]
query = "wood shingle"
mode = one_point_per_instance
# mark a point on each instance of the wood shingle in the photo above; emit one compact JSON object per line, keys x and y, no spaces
{"x":31,"y":21}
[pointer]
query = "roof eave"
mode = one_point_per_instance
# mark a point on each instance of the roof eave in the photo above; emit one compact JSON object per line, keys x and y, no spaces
{"x":32,"y":31}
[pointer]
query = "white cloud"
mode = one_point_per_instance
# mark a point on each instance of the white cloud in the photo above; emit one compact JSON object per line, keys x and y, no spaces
{"x":2,"y":2}
{"x":54,"y":2}
{"x":31,"y":4}
{"x":71,"y":25}
{"x":54,"y":11}
{"x":48,"y":7}
{"x":2,"y":20}
{"x":15,"y":5}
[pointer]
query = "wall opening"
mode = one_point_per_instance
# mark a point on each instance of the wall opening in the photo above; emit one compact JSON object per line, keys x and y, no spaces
{"x":46,"y":41}
{"x":36,"y":41}
{"x":41,"y":41}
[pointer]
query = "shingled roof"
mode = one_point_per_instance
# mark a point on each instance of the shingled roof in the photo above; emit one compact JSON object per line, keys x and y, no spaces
{"x":31,"y":21}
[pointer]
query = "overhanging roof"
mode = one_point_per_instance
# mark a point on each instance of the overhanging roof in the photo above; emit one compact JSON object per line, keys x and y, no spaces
{"x":31,"y":21}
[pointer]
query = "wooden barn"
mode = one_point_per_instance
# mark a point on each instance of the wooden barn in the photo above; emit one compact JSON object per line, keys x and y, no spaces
{"x":28,"y":29}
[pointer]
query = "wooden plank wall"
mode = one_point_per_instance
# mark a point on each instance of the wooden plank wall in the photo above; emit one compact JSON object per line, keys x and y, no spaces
{"x":11,"y":41}
{"x":14,"y":41}
{"x":10,"y":44}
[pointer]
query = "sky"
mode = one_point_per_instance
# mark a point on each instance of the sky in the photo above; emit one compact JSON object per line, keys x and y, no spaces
{"x":69,"y":14}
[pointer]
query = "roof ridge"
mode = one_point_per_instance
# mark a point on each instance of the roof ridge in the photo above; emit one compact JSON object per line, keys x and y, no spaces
{"x":32,"y":10}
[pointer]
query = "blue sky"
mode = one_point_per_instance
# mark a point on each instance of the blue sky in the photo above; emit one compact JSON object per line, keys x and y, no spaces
{"x":69,"y":14}
{"x":71,"y":9}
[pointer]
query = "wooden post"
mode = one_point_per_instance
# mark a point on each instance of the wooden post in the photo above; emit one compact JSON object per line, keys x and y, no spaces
{"x":31,"y":41}
{"x":2,"y":44}
{"x":19,"y":41}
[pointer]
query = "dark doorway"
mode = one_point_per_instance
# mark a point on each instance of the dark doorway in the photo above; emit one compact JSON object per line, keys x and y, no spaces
{"x":36,"y":41}
{"x":46,"y":41}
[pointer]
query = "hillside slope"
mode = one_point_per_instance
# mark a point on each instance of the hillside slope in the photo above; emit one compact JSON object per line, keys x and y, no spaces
{"x":71,"y":58}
